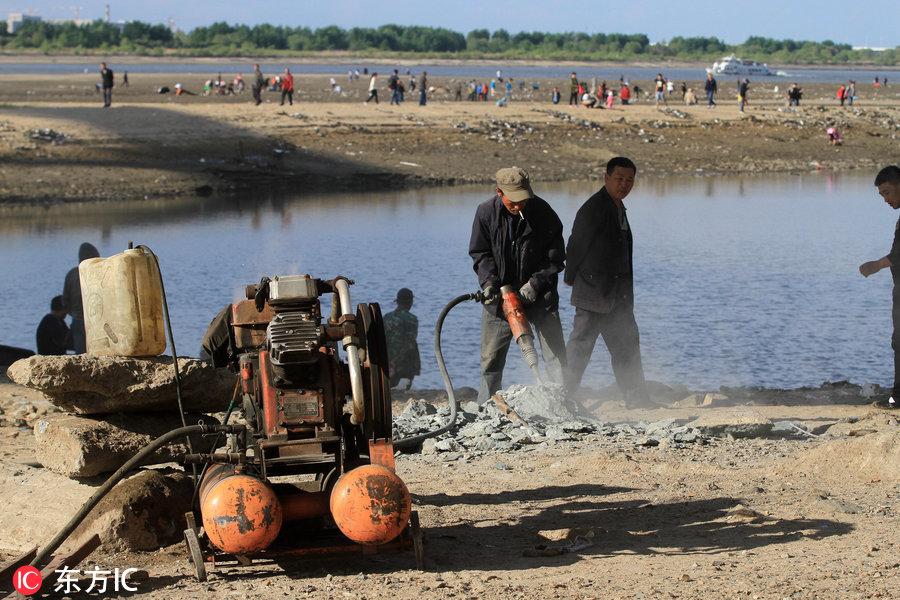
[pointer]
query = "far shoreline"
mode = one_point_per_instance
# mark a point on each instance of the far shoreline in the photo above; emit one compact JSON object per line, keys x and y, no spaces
{"x":336,"y":59}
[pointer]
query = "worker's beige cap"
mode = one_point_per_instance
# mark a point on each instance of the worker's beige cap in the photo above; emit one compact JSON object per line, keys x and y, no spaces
{"x":515,"y":184}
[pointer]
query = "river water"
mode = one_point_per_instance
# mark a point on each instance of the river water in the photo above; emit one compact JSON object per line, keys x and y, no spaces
{"x":481,"y":71}
{"x":739,"y":281}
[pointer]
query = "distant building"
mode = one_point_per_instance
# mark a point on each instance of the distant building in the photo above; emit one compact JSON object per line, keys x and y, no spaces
{"x":15,"y":20}
{"x":872,"y":48}
{"x":77,"y":22}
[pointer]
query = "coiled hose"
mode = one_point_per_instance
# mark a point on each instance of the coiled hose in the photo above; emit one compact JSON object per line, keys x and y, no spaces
{"x":439,"y":355}
{"x":133,"y":462}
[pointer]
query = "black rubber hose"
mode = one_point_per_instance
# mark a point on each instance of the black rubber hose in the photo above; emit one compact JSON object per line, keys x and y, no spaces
{"x":439,"y":355}
{"x":181,"y":413}
{"x":135,"y":461}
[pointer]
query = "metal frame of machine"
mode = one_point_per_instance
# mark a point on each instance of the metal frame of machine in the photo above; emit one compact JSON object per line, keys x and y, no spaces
{"x":294,"y":391}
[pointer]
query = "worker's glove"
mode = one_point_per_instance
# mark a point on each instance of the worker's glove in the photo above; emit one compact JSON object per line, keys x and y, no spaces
{"x":489,"y":295}
{"x":528,"y":293}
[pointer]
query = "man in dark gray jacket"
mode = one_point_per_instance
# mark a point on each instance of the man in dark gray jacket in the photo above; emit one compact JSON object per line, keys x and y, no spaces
{"x":517,"y":241}
{"x":600,"y":269}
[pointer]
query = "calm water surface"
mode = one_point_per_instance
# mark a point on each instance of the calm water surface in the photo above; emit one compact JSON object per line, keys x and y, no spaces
{"x":747,"y":281}
{"x":463,"y":69}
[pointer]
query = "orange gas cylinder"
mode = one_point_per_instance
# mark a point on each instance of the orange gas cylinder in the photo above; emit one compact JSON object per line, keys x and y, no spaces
{"x":241,"y":514}
{"x":370,"y":504}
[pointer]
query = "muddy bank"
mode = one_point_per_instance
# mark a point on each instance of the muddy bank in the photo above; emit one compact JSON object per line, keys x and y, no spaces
{"x":58,"y":145}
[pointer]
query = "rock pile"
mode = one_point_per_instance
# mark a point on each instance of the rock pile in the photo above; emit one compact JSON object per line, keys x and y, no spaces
{"x":529,"y":416}
{"x":47,"y":135}
{"x":116,"y":406}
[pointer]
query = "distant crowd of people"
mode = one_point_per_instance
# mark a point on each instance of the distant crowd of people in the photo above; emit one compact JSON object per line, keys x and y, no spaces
{"x":499,"y":89}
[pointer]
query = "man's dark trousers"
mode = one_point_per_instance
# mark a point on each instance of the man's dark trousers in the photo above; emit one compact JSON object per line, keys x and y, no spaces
{"x":107,"y":96}
{"x":620,"y":333}
{"x":895,"y":339}
{"x":496,"y":338}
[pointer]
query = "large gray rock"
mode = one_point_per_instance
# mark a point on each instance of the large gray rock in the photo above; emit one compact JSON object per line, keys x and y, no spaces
{"x":77,"y":446}
{"x":142,"y":513}
{"x":91,"y":385}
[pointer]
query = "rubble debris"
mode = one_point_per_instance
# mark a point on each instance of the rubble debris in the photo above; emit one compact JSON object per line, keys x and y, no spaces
{"x":87,"y":385}
{"x":507,"y":131}
{"x":547,"y":418}
{"x":47,"y":135}
{"x":582,"y":123}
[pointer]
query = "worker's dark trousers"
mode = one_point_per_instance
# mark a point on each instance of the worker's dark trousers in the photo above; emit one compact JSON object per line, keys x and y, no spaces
{"x":107,"y":96}
{"x":289,"y":95}
{"x":257,"y":95}
{"x":496,"y":338}
{"x":620,"y":333}
{"x":895,"y":341}
{"x":573,"y":99}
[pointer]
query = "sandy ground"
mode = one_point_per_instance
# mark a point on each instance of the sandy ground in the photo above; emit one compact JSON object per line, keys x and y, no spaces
{"x":153,"y":146}
{"x":804,"y":517}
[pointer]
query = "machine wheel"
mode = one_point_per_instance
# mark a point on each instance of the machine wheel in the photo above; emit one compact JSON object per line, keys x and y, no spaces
{"x":376,"y":372}
{"x":327,"y":480}
{"x":196,"y":555}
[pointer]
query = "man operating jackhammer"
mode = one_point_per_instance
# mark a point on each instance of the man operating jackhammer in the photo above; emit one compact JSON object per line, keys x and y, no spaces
{"x":517,"y":241}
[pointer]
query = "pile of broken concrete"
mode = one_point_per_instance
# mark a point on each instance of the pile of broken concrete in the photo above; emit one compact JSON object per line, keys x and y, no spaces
{"x":113,"y":406}
{"x":542,"y":416}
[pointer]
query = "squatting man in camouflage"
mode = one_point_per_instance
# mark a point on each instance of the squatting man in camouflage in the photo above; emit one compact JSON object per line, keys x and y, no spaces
{"x":517,"y":240}
{"x":401,"y":328}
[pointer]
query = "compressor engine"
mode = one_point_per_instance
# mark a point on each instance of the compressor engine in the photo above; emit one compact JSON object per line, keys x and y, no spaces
{"x":308,"y":413}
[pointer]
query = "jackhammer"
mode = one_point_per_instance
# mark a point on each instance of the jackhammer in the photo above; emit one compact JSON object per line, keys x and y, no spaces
{"x":511,"y":305}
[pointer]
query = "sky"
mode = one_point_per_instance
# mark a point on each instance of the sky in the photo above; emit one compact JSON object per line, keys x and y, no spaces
{"x":861,"y":23}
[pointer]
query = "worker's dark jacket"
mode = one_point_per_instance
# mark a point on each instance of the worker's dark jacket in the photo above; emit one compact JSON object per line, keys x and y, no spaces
{"x":106,"y":76}
{"x":535,"y":255}
{"x":599,"y":264}
{"x":894,"y":257}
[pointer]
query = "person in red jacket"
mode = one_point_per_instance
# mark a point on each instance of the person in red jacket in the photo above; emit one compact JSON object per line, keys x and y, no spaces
{"x":625,"y":94}
{"x":287,"y":87}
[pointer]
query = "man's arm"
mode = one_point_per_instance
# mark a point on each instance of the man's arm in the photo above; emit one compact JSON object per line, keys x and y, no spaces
{"x":873,"y":266}
{"x":482,"y":254}
{"x":583,"y":230}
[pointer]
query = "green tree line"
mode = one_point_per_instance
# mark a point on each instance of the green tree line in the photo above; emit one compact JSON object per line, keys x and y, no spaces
{"x":224,"y":39}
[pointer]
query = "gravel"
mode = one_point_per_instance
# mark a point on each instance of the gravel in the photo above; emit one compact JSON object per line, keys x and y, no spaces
{"x":549,"y":418}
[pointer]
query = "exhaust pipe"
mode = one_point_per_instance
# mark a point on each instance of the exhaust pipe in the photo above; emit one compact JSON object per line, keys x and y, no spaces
{"x":342,"y":287}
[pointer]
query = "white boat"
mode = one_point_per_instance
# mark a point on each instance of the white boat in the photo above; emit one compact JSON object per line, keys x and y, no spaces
{"x":732,"y":65}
